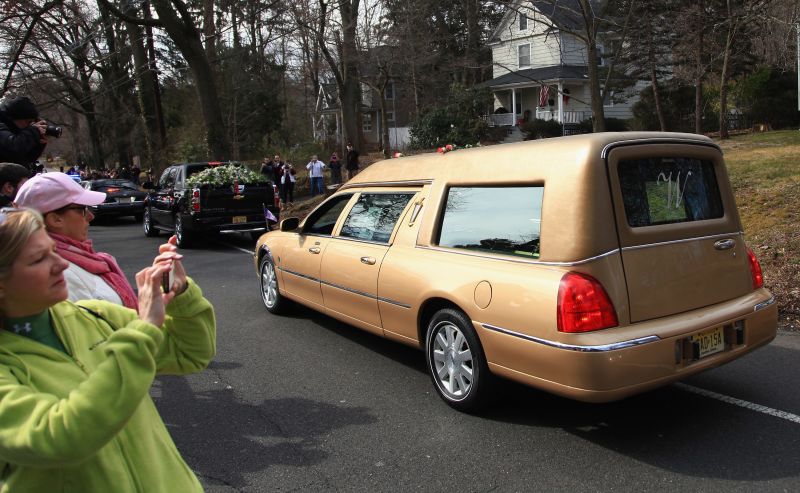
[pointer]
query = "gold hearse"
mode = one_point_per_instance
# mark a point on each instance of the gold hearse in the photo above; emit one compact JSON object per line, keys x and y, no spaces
{"x":593,"y":267}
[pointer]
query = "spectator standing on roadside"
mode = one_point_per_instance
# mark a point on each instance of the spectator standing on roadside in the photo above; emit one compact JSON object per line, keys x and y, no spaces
{"x":352,"y":161}
{"x":266,"y":168}
{"x":75,"y":378}
{"x":12,"y":176}
{"x":315,"y":168}
{"x":64,"y":204}
{"x":287,"y":187}
{"x":22,"y":133}
{"x":336,"y":169}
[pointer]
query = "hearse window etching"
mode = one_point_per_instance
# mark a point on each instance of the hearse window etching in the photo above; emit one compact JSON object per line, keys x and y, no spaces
{"x":324,"y":219}
{"x":493,"y":219}
{"x":374,"y":215}
{"x":669,"y":190}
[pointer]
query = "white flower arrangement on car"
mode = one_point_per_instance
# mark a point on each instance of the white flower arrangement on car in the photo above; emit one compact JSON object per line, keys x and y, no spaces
{"x":225,"y":174}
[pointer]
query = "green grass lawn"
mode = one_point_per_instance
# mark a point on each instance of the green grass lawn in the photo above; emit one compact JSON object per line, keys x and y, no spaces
{"x":765,"y":172}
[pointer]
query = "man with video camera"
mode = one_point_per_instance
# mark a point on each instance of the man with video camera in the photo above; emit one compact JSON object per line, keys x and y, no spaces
{"x":23,"y":136}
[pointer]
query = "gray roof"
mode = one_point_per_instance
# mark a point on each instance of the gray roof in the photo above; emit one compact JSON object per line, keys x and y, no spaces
{"x":537,"y":75}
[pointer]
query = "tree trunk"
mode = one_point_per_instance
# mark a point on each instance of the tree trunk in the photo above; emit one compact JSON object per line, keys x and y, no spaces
{"x":187,"y":39}
{"x":146,"y":93}
{"x":598,"y":112}
{"x":657,"y":97}
{"x":698,"y":85}
{"x":350,"y":92}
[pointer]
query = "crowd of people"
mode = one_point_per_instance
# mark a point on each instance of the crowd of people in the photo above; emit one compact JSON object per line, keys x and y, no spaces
{"x":284,"y":174}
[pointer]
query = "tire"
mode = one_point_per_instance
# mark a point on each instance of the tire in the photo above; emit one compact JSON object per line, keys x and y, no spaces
{"x":183,"y":237}
{"x":271,"y":296}
{"x":147,"y":224}
{"x":456,"y":362}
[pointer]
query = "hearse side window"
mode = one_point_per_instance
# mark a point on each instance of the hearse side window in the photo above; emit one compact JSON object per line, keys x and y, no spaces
{"x":669,"y":190}
{"x":374,"y":215}
{"x":324,"y":219}
{"x":504,"y":220}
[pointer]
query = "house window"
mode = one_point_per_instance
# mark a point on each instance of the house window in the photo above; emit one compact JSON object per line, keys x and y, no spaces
{"x":524,"y":59}
{"x":388,"y":92}
{"x":608,"y":98}
{"x":523,"y":22}
{"x":366,"y":122}
{"x":390,"y":116}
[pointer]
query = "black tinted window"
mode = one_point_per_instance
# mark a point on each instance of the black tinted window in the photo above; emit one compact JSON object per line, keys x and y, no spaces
{"x":322,"y":220}
{"x":493,"y":219}
{"x":374,"y":215}
{"x":669,"y":190}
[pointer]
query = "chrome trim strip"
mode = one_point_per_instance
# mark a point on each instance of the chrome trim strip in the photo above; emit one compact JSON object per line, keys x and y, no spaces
{"x":349,"y":290}
{"x":396,"y":303}
{"x":764,"y":304}
{"x":384,"y":184}
{"x":298,"y":274}
{"x":573,"y":347}
{"x":517,"y":260}
{"x":655,"y":140}
{"x":685,"y":240}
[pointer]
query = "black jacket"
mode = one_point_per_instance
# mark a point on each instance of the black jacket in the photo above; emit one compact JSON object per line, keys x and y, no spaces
{"x":17,"y":145}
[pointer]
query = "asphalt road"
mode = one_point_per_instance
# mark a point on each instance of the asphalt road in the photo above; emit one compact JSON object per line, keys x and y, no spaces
{"x":306,"y":403}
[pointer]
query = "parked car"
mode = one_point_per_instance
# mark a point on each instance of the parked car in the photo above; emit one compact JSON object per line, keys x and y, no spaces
{"x":191,"y":211}
{"x":123,"y":198}
{"x":594,"y":267}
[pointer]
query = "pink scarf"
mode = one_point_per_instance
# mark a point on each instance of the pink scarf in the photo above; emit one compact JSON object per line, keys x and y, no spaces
{"x":100,"y":264}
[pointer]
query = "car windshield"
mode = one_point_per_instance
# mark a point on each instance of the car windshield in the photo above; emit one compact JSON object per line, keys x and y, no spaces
{"x":109,"y":186}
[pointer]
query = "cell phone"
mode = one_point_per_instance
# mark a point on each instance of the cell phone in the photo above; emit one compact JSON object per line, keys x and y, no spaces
{"x":167,"y":279}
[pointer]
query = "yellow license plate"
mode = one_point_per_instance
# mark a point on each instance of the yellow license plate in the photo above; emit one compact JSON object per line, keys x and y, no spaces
{"x":239,"y":219}
{"x":711,"y":341}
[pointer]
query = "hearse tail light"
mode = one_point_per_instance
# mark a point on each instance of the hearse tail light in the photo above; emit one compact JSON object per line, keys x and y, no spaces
{"x":196,"y":200}
{"x":755,"y":270}
{"x":584,"y":305}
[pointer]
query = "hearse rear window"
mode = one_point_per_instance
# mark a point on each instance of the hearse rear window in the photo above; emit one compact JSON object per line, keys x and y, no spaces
{"x":493,"y":219}
{"x":669,"y":190}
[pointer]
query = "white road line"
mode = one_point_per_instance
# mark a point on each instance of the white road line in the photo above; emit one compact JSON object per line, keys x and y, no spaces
{"x":794,"y":418}
{"x":249,"y":252}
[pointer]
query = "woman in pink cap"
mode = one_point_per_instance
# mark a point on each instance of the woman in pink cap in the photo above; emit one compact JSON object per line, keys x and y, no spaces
{"x":65,"y":207}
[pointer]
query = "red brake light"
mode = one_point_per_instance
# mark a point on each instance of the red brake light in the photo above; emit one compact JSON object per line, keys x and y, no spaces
{"x":583,"y":305}
{"x":112,"y":190}
{"x":755,"y":270}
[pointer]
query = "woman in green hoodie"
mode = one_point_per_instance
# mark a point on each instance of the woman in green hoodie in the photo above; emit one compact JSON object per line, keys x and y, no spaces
{"x":75,"y":414}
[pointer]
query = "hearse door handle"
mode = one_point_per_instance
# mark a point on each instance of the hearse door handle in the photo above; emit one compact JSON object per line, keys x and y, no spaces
{"x":368,"y":260}
{"x":724,"y":244}
{"x":314,"y":250}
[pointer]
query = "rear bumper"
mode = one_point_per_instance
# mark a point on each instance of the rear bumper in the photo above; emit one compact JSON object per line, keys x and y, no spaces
{"x":118,"y":208}
{"x":617,"y":369}
{"x":250,"y":222}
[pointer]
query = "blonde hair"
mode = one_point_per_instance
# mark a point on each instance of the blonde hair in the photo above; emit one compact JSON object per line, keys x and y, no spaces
{"x":16,"y":228}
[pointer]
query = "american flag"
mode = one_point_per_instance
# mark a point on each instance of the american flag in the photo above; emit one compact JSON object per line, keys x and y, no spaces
{"x":544,"y":91}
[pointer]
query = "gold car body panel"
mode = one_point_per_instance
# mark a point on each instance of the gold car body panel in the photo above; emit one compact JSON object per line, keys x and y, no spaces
{"x":512,"y":300}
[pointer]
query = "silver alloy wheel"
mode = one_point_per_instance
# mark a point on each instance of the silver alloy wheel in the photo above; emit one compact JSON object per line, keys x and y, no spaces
{"x":269,"y":284}
{"x":452,"y":358}
{"x":146,"y":221}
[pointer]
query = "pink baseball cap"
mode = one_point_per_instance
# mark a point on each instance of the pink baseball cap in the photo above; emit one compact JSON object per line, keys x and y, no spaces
{"x":50,"y":191}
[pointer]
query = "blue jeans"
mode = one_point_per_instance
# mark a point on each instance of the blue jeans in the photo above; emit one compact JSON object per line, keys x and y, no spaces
{"x":316,"y":185}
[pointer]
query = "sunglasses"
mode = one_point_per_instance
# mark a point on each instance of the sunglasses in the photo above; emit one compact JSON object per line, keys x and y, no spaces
{"x":82,"y":208}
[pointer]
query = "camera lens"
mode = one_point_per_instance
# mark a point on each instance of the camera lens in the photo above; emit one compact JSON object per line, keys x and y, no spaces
{"x":53,"y":131}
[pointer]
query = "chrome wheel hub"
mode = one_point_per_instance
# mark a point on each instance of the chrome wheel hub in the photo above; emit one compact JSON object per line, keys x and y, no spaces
{"x":452,"y":360}
{"x":269,"y":284}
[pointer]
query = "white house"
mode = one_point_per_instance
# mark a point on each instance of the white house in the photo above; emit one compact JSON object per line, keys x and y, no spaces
{"x":540,"y":69}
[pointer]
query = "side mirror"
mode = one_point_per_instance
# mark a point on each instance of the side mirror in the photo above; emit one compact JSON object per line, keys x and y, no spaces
{"x":290,"y":224}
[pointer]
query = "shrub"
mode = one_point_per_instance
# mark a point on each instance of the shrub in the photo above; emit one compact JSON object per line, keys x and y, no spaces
{"x":459,"y":121}
{"x":541,"y":129}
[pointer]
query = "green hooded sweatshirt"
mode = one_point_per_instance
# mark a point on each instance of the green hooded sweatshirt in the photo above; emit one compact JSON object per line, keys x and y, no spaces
{"x":84,"y":421}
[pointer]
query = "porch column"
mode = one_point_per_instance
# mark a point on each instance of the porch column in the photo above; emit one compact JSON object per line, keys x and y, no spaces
{"x":513,"y":107}
{"x":561,"y":102}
